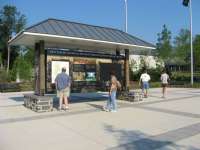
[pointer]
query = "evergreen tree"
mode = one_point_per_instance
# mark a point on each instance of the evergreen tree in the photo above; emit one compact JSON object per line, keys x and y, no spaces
{"x":164,"y":47}
{"x":196,"y":49}
{"x":182,"y":45}
{"x":11,"y":22}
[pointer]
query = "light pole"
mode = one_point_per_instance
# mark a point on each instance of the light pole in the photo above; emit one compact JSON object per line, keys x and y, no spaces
{"x":186,"y":3}
{"x":191,"y":45}
{"x":126,"y":16}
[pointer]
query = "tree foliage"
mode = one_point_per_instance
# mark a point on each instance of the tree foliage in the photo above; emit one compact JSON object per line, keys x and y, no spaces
{"x":164,"y":46}
{"x":180,"y":52}
{"x":11,"y":22}
{"x":23,"y":68}
{"x":182,"y":45}
{"x":196,"y":49}
{"x":29,"y":56}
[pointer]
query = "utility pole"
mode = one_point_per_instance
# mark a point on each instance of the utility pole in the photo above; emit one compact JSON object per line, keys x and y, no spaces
{"x":126,"y":16}
{"x":186,"y":3}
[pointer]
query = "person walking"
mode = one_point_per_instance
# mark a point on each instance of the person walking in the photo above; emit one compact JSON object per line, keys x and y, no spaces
{"x":62,"y":83}
{"x":144,"y":82}
{"x":112,"y":102}
{"x":164,"y":82}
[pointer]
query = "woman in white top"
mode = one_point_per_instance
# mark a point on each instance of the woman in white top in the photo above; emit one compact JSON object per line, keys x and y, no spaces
{"x":164,"y":81}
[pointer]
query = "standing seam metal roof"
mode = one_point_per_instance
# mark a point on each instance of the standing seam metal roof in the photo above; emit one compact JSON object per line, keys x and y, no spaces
{"x":73,"y":29}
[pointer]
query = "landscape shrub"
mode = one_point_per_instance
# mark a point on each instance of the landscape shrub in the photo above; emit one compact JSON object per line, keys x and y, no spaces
{"x":4,"y":76}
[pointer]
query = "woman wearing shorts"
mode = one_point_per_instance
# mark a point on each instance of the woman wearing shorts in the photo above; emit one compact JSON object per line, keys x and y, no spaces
{"x":164,"y":82}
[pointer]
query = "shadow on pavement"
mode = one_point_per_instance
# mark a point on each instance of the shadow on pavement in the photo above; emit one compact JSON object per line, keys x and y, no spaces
{"x":17,"y":99}
{"x":136,"y":140}
{"x":96,"y":106}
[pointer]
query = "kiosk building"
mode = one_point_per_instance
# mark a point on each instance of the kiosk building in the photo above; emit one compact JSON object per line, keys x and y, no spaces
{"x":88,"y":52}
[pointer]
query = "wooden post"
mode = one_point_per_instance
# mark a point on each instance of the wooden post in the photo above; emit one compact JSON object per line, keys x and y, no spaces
{"x":36,"y":69}
{"x":126,"y":69}
{"x":41,"y":68}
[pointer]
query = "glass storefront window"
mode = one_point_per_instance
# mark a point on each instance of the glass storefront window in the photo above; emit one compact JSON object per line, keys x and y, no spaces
{"x":79,"y":76}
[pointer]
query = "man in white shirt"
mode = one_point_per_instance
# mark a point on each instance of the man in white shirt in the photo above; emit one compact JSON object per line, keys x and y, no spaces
{"x":144,"y":79}
{"x":164,"y":81}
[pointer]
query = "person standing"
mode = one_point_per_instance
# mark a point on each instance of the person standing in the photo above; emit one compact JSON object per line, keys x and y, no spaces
{"x":144,"y":81}
{"x":164,"y":82}
{"x":112,"y":102}
{"x":62,"y":83}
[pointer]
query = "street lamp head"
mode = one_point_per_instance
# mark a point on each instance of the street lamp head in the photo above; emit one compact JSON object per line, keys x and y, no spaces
{"x":186,"y":2}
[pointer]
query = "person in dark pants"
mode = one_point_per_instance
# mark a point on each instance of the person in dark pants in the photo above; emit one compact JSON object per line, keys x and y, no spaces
{"x":62,"y":83}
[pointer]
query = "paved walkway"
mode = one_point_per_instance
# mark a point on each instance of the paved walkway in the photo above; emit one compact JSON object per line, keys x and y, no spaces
{"x":155,"y":123}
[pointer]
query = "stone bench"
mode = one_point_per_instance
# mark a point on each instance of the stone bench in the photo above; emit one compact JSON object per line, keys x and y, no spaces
{"x":131,"y":96}
{"x":38,"y":103}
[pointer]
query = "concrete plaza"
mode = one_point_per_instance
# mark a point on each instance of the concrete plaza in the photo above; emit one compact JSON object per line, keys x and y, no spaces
{"x":154,"y":123}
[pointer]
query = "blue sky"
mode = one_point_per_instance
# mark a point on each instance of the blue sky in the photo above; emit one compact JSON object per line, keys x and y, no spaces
{"x":145,"y":17}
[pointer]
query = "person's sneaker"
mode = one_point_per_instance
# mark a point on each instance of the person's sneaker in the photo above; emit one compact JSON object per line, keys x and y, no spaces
{"x":66,"y":108}
{"x":59,"y":109}
{"x":105,"y":109}
{"x":163,"y":97}
{"x":113,"y":111}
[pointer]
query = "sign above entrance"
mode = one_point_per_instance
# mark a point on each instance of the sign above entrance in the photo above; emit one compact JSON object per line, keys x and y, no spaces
{"x":80,"y":53}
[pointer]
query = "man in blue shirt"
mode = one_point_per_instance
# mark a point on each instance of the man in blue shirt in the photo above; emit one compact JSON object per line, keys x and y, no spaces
{"x":62,"y":83}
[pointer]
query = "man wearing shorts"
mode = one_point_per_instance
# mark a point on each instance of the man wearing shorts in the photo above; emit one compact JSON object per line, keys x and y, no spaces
{"x":144,"y":81}
{"x":62,"y":82}
{"x":164,"y":81}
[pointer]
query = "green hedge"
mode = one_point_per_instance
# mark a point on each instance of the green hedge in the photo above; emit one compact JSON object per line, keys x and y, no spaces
{"x":185,"y":76}
{"x":26,"y":86}
{"x":154,"y":74}
{"x":135,"y":85}
{"x":16,"y":87}
{"x":4,"y":76}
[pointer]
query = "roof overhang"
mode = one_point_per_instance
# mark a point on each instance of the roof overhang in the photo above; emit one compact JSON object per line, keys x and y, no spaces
{"x":30,"y":38}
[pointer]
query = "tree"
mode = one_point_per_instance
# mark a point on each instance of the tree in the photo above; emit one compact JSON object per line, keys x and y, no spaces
{"x":182,"y":45}
{"x":159,"y":63}
{"x":196,"y":45}
{"x":11,"y":22}
{"x":164,"y":47}
{"x":29,"y":56}
{"x":22,"y":68}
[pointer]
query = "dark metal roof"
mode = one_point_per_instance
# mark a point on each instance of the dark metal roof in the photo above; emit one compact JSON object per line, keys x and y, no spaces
{"x":79,"y":30}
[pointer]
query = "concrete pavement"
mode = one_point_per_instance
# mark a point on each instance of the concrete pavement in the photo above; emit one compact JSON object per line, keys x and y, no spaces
{"x":155,"y":123}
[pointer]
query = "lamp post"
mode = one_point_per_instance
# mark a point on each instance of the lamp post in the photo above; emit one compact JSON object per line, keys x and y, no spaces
{"x":191,"y":45}
{"x":186,"y":3}
{"x":126,"y":16}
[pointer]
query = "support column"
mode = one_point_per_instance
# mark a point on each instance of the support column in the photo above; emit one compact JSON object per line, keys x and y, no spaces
{"x":42,"y":68}
{"x":39,"y":85}
{"x":36,"y":70}
{"x":117,"y":52}
{"x":126,"y":69}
